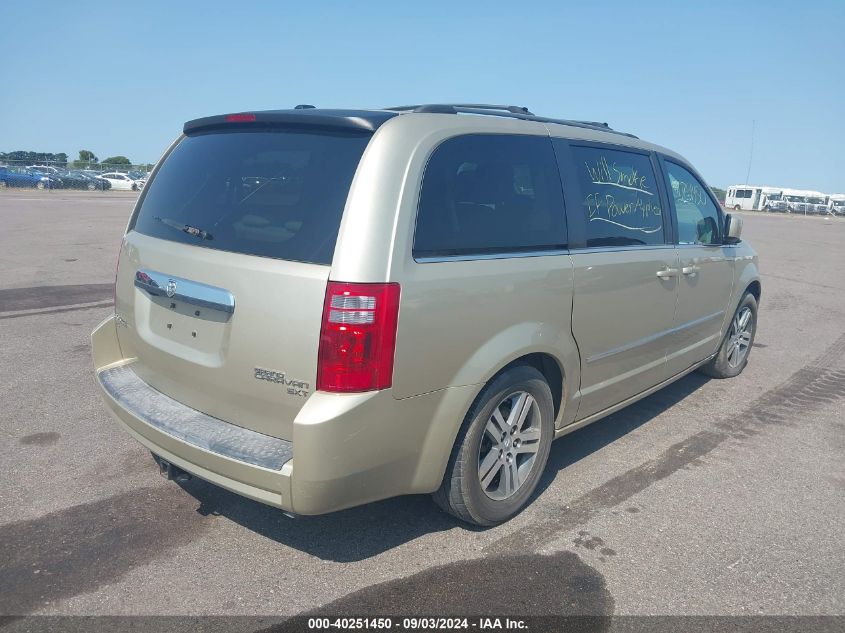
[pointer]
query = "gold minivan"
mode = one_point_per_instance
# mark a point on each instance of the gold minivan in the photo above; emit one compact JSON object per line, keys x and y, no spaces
{"x":321,"y":308}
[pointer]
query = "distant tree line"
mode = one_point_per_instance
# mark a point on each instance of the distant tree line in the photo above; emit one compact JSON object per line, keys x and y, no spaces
{"x":87,"y":160}
{"x":35,"y":157}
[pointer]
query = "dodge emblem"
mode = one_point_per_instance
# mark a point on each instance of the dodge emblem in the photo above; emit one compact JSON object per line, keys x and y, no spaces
{"x":171,"y":287}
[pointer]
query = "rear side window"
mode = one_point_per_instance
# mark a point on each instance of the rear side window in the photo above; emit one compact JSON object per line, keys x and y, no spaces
{"x":270,"y":193}
{"x":619,"y":200}
{"x":487,"y":194}
{"x":697,"y":214}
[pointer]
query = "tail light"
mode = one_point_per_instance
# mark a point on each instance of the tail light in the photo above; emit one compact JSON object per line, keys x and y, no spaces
{"x":358,"y":337}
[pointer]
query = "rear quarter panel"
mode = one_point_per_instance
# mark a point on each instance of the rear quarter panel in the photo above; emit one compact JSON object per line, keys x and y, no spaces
{"x":460,"y":322}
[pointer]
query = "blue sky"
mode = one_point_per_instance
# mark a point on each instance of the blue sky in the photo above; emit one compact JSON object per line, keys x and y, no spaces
{"x":121,"y":78}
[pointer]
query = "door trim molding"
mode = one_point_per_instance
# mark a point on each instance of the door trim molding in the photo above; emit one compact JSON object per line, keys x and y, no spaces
{"x":653,"y":337}
{"x":595,"y":417}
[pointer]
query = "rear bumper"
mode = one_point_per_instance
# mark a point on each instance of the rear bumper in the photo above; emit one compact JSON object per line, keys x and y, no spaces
{"x":347,"y":449}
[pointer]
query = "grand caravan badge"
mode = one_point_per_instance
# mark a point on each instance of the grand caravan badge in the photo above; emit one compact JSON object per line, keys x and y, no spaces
{"x":294,"y":387}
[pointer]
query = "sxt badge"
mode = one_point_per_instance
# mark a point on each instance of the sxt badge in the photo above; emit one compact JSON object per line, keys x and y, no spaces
{"x":294,"y":387}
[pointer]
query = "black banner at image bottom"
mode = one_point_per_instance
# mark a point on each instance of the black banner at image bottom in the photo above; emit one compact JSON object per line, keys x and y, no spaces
{"x":403,"y":624}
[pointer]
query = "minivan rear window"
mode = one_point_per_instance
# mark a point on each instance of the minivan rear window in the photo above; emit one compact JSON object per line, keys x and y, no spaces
{"x":489,"y":194}
{"x":270,"y":192}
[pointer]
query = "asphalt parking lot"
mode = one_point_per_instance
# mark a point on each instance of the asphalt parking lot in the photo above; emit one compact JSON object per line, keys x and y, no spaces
{"x":710,"y":497}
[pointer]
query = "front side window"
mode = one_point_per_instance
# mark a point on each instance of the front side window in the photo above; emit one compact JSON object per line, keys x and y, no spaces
{"x":697,"y":214}
{"x":620,"y":202}
{"x":487,"y":194}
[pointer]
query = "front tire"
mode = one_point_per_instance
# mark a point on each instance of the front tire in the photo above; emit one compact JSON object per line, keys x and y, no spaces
{"x":501,"y":449}
{"x":732,"y":356}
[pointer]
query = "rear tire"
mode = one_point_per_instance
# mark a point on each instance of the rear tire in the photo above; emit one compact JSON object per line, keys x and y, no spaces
{"x":733,"y":353}
{"x":501,"y":450}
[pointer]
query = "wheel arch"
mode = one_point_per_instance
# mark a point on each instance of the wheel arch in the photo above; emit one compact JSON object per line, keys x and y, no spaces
{"x":558,"y":365}
{"x":551,"y":369}
{"x":552,"y":352}
{"x":755,"y":288}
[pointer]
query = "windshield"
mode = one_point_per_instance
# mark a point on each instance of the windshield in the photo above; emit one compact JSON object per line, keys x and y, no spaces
{"x":794,"y":198}
{"x":773,"y":196}
{"x":815,"y":200}
{"x":275,"y":194}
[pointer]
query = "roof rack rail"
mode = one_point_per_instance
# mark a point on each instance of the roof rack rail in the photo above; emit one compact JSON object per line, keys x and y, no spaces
{"x":516,"y":112}
{"x":594,"y":124}
{"x":454,"y":108}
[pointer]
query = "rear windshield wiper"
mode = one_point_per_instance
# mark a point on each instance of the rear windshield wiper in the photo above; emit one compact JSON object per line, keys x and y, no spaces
{"x":185,"y":228}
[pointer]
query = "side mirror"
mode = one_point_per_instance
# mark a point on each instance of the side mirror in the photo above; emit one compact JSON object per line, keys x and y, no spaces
{"x":733,"y":229}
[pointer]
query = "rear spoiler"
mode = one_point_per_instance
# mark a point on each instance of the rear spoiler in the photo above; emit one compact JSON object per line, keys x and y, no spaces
{"x":310,"y":118}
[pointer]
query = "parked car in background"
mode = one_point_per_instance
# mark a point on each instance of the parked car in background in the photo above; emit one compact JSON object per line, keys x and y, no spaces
{"x":22,"y":177}
{"x":121,"y":181}
{"x":70,"y":180}
{"x":45,"y":169}
{"x":836,"y":203}
{"x":92,"y":181}
{"x":816,"y":203}
{"x":796,"y":201}
{"x":139,"y":177}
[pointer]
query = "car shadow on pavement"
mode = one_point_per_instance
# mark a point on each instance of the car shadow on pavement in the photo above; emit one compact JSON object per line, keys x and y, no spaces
{"x":366,"y":531}
{"x":583,"y":442}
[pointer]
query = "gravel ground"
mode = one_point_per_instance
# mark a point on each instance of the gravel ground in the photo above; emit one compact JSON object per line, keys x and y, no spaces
{"x":710,"y":497}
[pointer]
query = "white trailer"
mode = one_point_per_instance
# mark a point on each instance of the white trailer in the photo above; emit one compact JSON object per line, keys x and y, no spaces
{"x":761,"y":198}
{"x":751,"y":197}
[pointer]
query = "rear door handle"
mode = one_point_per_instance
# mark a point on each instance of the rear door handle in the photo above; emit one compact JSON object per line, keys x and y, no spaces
{"x":690,"y":270}
{"x":160,"y":285}
{"x":666,"y":273}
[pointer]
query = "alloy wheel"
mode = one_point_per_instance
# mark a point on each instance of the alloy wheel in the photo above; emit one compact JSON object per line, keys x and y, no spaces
{"x":739,"y":338}
{"x":509,"y":446}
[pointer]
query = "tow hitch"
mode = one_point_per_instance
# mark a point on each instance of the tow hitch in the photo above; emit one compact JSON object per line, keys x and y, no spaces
{"x":169,"y":471}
